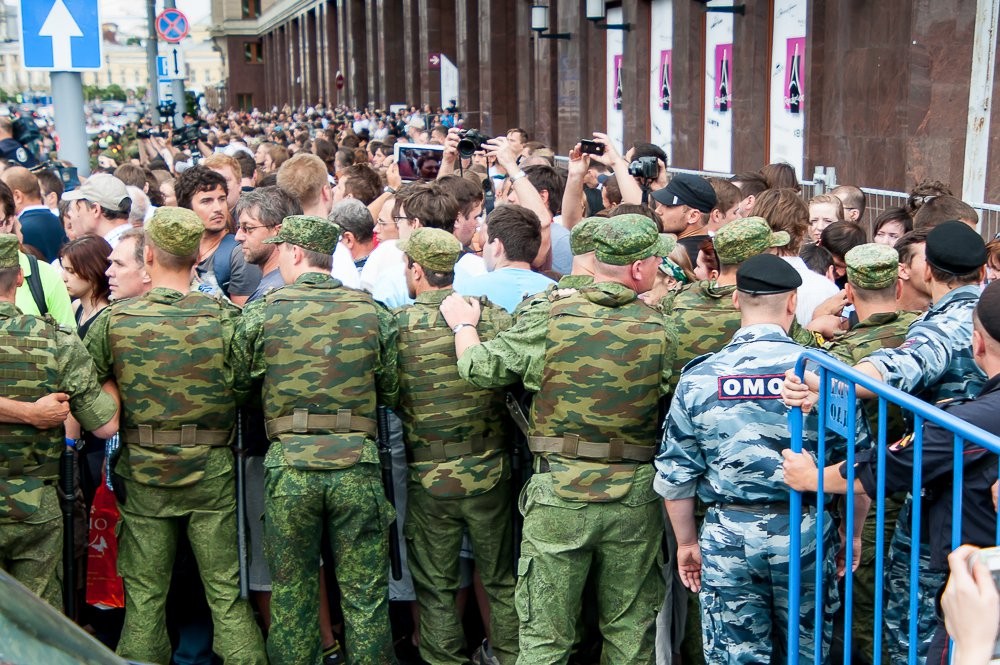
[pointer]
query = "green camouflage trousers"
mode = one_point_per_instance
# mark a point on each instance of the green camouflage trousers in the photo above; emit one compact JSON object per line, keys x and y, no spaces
{"x":618,"y":544}
{"x":863,"y":623}
{"x":350,"y":506}
{"x":433,"y":538}
{"x":152,"y":520}
{"x":31,"y":550}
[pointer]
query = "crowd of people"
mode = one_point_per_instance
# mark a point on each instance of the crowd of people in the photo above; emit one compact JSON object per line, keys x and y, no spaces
{"x":571,"y":378}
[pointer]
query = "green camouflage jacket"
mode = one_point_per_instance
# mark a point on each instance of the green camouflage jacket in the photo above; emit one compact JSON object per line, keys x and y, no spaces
{"x":171,"y":355}
{"x":37,"y":358}
{"x":317,"y":345}
{"x":879,"y":331}
{"x":705,"y":320}
{"x":439,"y":409}
{"x":599,"y":360}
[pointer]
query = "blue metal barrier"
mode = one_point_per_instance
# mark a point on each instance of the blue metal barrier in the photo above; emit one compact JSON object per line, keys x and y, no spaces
{"x":837,"y":413}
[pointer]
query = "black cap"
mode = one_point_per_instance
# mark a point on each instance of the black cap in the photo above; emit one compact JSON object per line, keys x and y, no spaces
{"x":688,"y":190}
{"x":988,"y":310}
{"x":955,"y":247}
{"x":765,"y":274}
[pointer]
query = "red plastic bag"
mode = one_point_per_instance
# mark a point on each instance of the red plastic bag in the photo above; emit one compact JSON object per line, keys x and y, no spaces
{"x":104,"y":586}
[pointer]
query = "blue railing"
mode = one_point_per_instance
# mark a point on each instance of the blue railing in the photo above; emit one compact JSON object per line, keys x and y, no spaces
{"x":837,"y":412}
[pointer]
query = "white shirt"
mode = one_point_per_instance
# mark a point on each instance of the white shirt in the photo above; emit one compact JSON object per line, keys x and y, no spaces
{"x":814,"y":290}
{"x":344,"y":268}
{"x":115,"y":234}
{"x":383,"y":258}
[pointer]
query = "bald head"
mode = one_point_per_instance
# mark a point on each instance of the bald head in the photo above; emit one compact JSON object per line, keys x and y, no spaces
{"x":23,"y":181}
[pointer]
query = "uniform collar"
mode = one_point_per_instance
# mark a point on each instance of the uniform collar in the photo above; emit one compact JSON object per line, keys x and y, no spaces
{"x":8,"y":309}
{"x":759,"y":331}
{"x":433,"y":296}
{"x":967,"y":292}
{"x":315,"y":278}
{"x":877,"y":319}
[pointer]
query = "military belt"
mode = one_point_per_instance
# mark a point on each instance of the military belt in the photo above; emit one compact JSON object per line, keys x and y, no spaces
{"x":442,"y":452}
{"x":571,"y":446}
{"x":186,"y":436}
{"x":303,"y":422}
{"x":16,"y":469}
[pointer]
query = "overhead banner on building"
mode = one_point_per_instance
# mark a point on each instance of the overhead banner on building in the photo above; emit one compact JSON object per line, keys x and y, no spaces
{"x":661,"y":75}
{"x":718,"y":151}
{"x":617,"y":91}
{"x":788,"y":85}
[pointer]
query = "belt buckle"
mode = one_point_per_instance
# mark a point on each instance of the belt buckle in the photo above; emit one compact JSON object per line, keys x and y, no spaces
{"x":571,"y":445}
{"x":343,"y":423}
{"x":300,"y":421}
{"x":145,"y":435}
{"x":188,"y":435}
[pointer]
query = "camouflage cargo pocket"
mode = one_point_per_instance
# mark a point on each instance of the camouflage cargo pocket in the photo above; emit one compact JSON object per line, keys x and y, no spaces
{"x":165,"y":466}
{"x":470,"y":475}
{"x":324,"y":452}
{"x":20,"y":498}
{"x":593,"y":482}
{"x":522,"y":593}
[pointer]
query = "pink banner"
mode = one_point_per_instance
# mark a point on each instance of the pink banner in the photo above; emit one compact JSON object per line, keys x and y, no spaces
{"x":795,"y":75}
{"x":723,"y":78}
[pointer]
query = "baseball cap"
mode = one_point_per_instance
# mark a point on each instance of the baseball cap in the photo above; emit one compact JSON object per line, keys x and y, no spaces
{"x":103,"y":189}
{"x":176,"y":231}
{"x":872,"y":266}
{"x":689,"y":190}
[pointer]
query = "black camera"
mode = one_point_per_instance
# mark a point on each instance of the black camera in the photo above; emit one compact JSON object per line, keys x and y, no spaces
{"x":647,"y":167}
{"x":148,"y":133}
{"x":189,"y":135}
{"x":471,"y":140}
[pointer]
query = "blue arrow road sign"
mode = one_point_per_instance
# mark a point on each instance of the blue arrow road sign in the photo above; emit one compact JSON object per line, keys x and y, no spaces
{"x":162,"y":70}
{"x":60,"y":35}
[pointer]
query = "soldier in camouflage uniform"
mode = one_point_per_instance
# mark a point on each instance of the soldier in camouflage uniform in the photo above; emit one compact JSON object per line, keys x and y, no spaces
{"x":935,"y":363}
{"x":872,"y":279}
{"x":170,"y":352}
{"x":39,"y":359}
{"x":599,"y":362}
{"x":706,"y":319}
{"x":325,"y":355}
{"x":722,"y":443}
{"x":459,"y":477}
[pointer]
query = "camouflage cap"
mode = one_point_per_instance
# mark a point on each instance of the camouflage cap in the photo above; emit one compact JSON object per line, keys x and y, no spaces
{"x":8,"y":251}
{"x":581,"y":238}
{"x":316,"y":234}
{"x":627,"y":238}
{"x":176,"y":231}
{"x":742,"y":238}
{"x":434,"y":249}
{"x":872,"y":266}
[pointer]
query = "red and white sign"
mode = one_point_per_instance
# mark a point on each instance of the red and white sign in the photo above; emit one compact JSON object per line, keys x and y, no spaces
{"x":339,"y":80}
{"x":172,"y":25}
{"x":434,"y":60}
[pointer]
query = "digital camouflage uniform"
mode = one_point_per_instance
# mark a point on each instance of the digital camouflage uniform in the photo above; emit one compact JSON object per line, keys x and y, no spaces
{"x":326,"y":355}
{"x":705,"y":319}
{"x":935,"y":363}
{"x":723,"y":440}
{"x":171,"y":355}
{"x":599,"y":362}
{"x":38,"y":358}
{"x":459,"y":476}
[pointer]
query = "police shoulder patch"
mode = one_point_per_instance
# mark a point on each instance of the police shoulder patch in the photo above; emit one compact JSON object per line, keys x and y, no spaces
{"x":752,"y":386}
{"x":913,"y":342}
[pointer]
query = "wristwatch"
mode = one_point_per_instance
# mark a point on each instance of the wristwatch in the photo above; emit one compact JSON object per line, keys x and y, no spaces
{"x":388,"y":190}
{"x":458,"y":326}
{"x":514,"y":177}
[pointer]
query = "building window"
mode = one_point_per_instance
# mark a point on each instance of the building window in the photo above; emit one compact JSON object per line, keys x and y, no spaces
{"x":249,"y":8}
{"x":245,"y":101}
{"x":253,"y":52}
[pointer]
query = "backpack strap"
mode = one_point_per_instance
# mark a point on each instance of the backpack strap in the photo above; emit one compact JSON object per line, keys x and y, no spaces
{"x":35,"y":285}
{"x":222,"y":264}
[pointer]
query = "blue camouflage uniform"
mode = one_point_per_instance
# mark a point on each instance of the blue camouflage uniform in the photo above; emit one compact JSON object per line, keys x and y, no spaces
{"x":723,"y":440}
{"x":935,"y":363}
